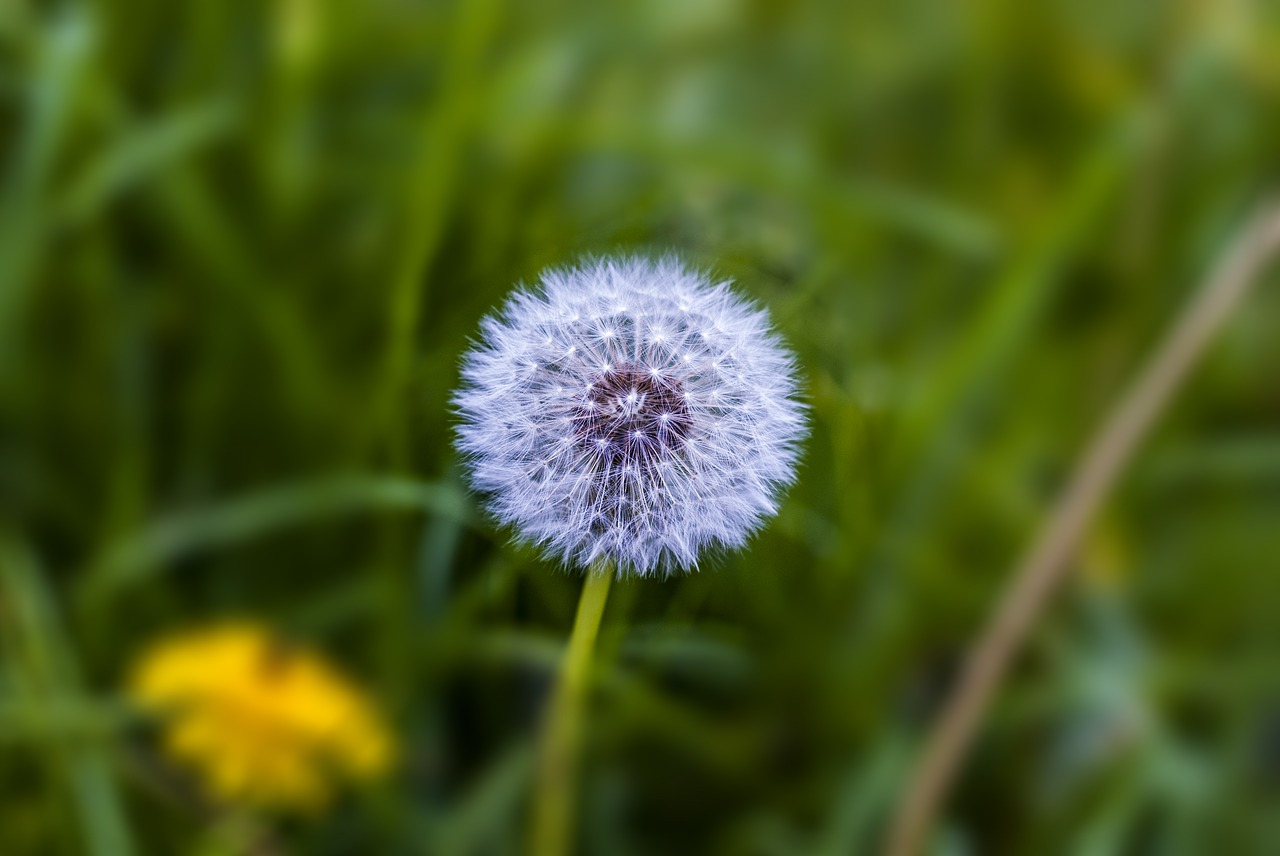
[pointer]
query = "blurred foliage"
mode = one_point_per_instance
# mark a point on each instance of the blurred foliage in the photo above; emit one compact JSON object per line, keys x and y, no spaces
{"x":243,"y":243}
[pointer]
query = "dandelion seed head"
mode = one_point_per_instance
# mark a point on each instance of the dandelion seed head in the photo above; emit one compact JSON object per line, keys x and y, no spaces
{"x":632,"y":411}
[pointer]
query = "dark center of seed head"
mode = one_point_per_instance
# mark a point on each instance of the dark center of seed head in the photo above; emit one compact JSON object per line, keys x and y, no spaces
{"x":632,"y":416}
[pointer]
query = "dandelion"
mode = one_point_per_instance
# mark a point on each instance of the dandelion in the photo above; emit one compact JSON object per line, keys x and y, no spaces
{"x":630,"y":412}
{"x":262,"y":723}
{"x":627,"y":415}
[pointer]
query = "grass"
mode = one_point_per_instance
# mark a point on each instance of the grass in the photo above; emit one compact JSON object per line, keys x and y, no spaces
{"x":243,"y":245}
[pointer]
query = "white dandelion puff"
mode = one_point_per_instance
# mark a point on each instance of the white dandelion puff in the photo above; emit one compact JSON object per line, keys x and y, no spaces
{"x":630,"y":410}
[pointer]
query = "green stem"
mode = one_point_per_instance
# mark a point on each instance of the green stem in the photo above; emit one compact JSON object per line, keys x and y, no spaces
{"x":555,"y":791}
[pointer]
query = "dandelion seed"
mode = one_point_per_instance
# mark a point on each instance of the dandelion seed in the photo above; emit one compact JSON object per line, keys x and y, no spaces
{"x":651,"y":448}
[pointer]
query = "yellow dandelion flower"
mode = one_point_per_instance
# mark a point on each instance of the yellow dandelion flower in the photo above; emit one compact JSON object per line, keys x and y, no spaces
{"x":261,"y":722}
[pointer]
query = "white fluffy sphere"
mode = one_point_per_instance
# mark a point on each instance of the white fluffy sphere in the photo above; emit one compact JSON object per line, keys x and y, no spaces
{"x":630,"y":411}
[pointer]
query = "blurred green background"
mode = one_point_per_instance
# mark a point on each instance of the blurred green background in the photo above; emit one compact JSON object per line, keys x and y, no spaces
{"x":243,"y":244}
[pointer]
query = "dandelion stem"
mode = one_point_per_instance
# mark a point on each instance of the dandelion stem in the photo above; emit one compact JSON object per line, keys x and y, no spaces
{"x":555,"y":792}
